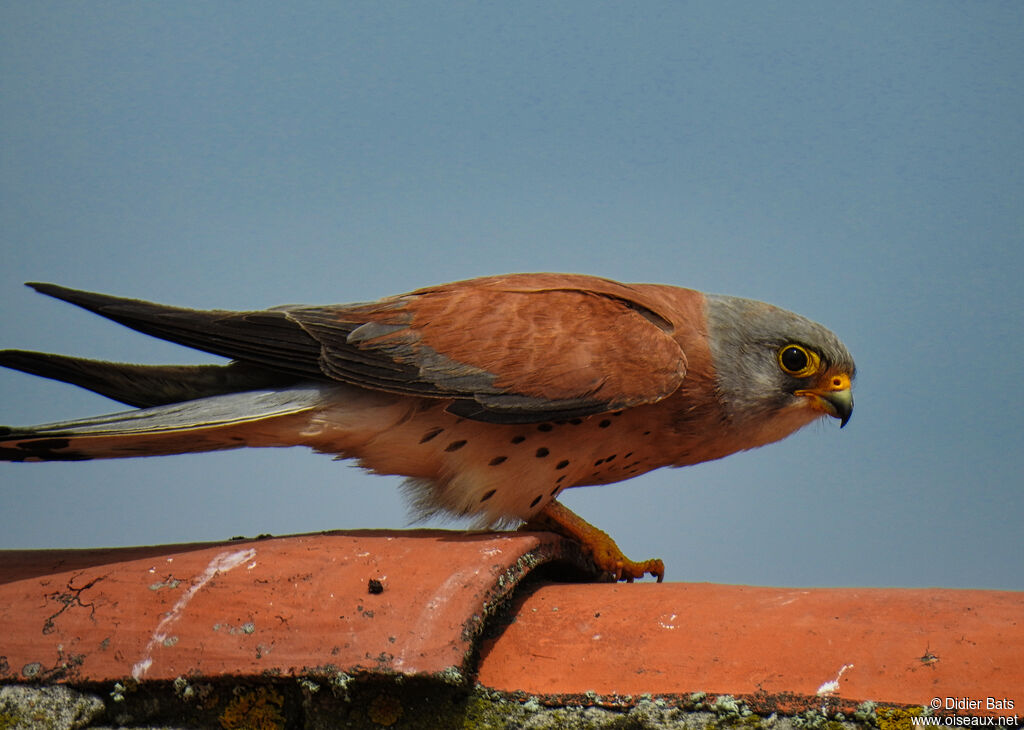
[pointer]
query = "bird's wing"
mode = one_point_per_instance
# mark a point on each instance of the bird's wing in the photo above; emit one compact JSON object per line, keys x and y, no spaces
{"x":507,"y":349}
{"x":145,"y":386}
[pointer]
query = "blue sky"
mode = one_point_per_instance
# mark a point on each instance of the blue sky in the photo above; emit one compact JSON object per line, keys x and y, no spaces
{"x":860,"y":164}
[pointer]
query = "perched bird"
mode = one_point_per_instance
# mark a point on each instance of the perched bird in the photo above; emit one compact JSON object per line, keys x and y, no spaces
{"x":492,"y":395}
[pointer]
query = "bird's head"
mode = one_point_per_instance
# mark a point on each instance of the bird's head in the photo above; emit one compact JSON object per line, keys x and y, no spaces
{"x":776,"y":371}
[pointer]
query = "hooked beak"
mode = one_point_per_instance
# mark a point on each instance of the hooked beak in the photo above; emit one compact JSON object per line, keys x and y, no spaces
{"x":835,"y":398}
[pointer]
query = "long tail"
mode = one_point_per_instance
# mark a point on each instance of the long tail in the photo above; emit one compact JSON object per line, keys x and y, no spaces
{"x":253,"y":418}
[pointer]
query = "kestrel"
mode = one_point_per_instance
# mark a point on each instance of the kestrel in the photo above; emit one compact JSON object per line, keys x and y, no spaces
{"x":491,"y":395}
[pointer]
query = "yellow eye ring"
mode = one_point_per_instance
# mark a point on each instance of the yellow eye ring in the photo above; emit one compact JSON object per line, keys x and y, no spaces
{"x":798,"y":361}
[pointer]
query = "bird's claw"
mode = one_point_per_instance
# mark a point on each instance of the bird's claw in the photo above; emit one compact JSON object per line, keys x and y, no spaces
{"x":599,"y":547}
{"x":629,"y":570}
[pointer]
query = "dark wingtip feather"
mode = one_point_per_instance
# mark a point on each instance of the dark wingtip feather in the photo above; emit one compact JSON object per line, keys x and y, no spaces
{"x":41,"y":286}
{"x":267,"y":339}
{"x":85,"y":299}
{"x":145,"y":385}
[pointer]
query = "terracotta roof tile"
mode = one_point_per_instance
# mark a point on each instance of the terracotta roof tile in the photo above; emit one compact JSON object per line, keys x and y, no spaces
{"x":414,"y":603}
{"x":765,"y":645}
{"x":392,"y":602}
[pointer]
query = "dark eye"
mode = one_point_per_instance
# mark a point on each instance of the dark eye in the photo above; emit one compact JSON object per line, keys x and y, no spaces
{"x":798,"y":361}
{"x":793,"y":359}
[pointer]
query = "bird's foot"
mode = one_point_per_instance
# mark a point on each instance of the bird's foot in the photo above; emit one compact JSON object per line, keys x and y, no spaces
{"x":558,"y":518}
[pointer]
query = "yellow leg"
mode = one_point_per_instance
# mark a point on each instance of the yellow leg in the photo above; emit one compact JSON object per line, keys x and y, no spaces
{"x":558,"y":518}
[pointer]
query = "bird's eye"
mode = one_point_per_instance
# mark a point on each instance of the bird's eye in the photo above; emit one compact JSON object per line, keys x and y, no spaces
{"x":798,"y":361}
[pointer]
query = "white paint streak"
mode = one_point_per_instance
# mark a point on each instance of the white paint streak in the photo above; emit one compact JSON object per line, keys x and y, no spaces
{"x":669,"y":625}
{"x":782,"y":601}
{"x":428,"y":618}
{"x":222,"y":563}
{"x":833,"y":687}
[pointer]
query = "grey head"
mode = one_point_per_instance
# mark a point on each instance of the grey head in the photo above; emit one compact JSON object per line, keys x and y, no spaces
{"x":775,"y":368}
